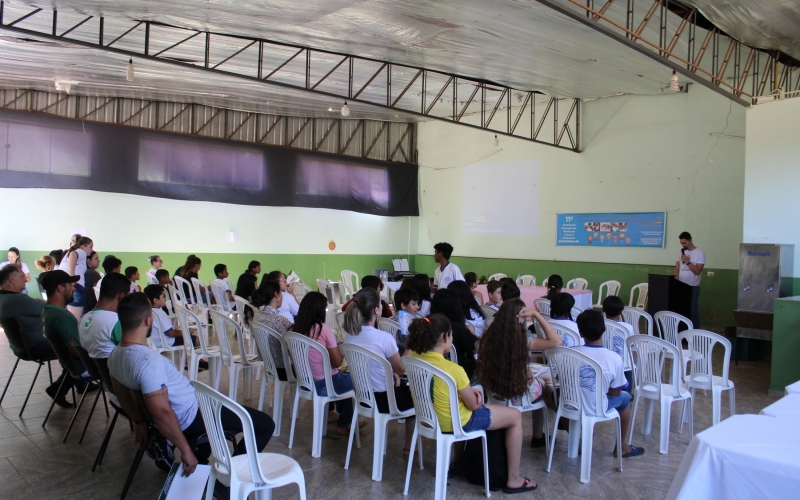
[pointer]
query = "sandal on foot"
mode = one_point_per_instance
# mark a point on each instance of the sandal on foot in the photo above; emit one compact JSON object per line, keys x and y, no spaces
{"x":521,"y":489}
{"x":635,"y":452}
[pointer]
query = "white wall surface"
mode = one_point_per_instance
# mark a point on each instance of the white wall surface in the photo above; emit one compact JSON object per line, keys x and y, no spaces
{"x":640,"y":154}
{"x":43,"y":218}
{"x":772,"y":175}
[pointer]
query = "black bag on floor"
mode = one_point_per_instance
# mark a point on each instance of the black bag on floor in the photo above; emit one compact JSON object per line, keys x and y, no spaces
{"x":472,"y":460}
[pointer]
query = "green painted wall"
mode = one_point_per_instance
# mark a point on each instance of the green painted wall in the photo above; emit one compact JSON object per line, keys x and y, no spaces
{"x":717,"y":297}
{"x":785,"y":344}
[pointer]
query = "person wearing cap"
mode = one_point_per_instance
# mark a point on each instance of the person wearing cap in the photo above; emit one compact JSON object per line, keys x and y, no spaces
{"x":14,"y":304}
{"x":58,"y":322}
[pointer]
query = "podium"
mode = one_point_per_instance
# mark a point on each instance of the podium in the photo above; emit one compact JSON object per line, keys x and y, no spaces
{"x":665,"y":293}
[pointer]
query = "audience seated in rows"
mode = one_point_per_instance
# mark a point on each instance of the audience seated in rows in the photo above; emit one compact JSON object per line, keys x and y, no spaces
{"x":561,"y":312}
{"x":289,"y":306}
{"x":267,"y":300}
{"x":99,"y":329}
{"x":173,"y":335}
{"x":246,"y":286}
{"x":375,"y":283}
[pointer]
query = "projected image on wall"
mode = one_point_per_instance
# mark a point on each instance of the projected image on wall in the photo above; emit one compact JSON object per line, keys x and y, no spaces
{"x":46,"y":150}
{"x":328,"y":178}
{"x":501,"y":198}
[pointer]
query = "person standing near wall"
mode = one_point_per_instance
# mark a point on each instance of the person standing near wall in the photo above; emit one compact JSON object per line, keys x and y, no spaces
{"x":447,"y":272}
{"x":687,"y":270}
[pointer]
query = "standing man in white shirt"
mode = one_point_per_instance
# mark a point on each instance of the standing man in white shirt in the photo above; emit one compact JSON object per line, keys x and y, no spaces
{"x":447,"y":272}
{"x":688,"y":269}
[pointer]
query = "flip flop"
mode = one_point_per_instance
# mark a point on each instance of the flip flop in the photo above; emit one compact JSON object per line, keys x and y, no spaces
{"x":635,"y":452}
{"x":522,"y":489}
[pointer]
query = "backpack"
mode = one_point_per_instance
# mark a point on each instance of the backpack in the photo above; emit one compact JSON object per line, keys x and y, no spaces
{"x":472,"y":460}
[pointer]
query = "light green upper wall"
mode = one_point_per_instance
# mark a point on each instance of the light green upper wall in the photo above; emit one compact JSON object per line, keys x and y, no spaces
{"x":639,"y":154}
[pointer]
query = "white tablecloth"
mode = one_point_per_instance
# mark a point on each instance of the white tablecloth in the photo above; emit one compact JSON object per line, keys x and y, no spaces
{"x":794,"y":388}
{"x":786,"y":407}
{"x":743,"y":457}
{"x":583,"y":298}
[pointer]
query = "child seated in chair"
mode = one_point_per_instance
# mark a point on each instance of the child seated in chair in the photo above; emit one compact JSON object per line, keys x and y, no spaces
{"x":132,"y":273}
{"x":429,"y":339}
{"x":495,"y":291}
{"x":162,"y":323}
{"x":406,"y":302}
{"x":221,"y":272}
{"x":592,"y":327}
{"x":612,"y":308}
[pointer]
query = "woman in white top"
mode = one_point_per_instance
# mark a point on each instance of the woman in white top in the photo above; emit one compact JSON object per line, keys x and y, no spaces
{"x":155,"y":265}
{"x":13,"y":260}
{"x":75,"y":265}
{"x":358,"y":324}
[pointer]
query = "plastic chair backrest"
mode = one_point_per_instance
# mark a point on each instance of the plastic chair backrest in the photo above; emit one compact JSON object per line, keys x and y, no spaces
{"x":265,"y":335}
{"x":567,"y":365}
{"x":577,"y":284}
{"x":358,"y":364}
{"x":453,"y":354}
{"x":614,"y":340}
{"x":632,"y":315}
{"x":299,"y":346}
{"x":161,"y":328}
{"x":198,"y":293}
{"x":612,"y":288}
{"x":569,"y":337}
{"x":185,"y":318}
{"x":211,"y":403}
{"x":184,"y":286}
{"x":176,"y":296}
{"x":544,"y":283}
{"x":62,"y":351}
{"x":641,"y":300}
{"x":497,"y":276}
{"x":351,"y":282}
{"x":221,"y":324}
{"x":300,"y":290}
{"x":420,"y":379}
{"x":389,"y":326}
{"x":322,"y":285}
{"x":542,"y":305}
{"x":220,"y":297}
{"x":339,"y":325}
{"x":701,"y":347}
{"x":668,"y":323}
{"x":488,"y":311}
{"x":575,"y":312}
{"x":651,"y":354}
{"x":527,"y":280}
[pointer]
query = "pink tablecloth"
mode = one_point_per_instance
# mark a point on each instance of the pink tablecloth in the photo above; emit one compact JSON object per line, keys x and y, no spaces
{"x":583,"y":298}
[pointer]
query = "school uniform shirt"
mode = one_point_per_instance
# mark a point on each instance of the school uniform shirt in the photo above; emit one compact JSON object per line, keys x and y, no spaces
{"x":100,"y":332}
{"x":450,"y":273}
{"x":685,"y":274}
{"x":424,"y":308}
{"x":379,"y":342}
{"x":613,"y":375}
{"x":289,"y":306}
{"x":441,"y":397}
{"x":151,"y":276}
{"x":568,"y":323}
{"x":161,"y":321}
{"x":225,"y":286}
{"x":478,"y":322}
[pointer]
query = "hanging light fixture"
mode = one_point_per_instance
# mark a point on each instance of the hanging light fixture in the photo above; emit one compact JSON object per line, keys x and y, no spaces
{"x":496,"y":141}
{"x":345,"y":109}
{"x":674,"y":86}
{"x":129,"y":72}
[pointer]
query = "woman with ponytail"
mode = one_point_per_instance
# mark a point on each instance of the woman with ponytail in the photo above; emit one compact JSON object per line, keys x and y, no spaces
{"x":359,"y":321}
{"x":429,"y":339}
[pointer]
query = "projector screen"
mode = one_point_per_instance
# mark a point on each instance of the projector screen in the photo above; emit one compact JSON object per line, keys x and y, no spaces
{"x":501,"y":198}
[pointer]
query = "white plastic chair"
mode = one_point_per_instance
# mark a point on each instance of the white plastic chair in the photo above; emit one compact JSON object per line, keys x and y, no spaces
{"x":544,"y":283}
{"x":577,"y":284}
{"x":524,"y":404}
{"x":575,"y":312}
{"x":220,"y":296}
{"x":299,"y":345}
{"x":569,"y":337}
{"x":175,"y":296}
{"x":183,"y":285}
{"x":339,"y":330}
{"x":351,"y":282}
{"x":542,"y":305}
{"x":632,"y":316}
{"x":527,"y":280}
{"x":200,"y":294}
{"x":614,"y":340}
{"x":497,"y":276}
{"x":241,"y":362}
{"x":453,"y":354}
{"x":358,"y":362}
{"x":252,"y":472}
{"x":701,"y":373}
{"x":668,"y":323}
{"x":651,"y":354}
{"x":420,"y":379}
{"x":263,"y":334}
{"x":389,"y":326}
{"x":611,"y":288}
{"x":489,"y":311}
{"x":300,"y":290}
{"x":212,"y":354}
{"x":567,"y":365}
{"x":641,"y":299}
{"x":165,"y":347}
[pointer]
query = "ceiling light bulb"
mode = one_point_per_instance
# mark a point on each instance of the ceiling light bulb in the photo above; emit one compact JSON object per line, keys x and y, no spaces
{"x":129,"y":72}
{"x":674,"y":86}
{"x":345,"y":109}
{"x":496,"y":141}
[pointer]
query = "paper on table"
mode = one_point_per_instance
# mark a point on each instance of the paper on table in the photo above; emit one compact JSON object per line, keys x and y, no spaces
{"x":179,"y":487}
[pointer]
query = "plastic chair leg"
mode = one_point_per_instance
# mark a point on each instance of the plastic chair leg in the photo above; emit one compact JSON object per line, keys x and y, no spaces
{"x":633,"y":419}
{"x":217,"y":370}
{"x":587,"y":437}
{"x":277,"y":405}
{"x":212,"y":478}
{"x":9,"y":380}
{"x":233,"y":376}
{"x":666,"y":412}
{"x":411,"y":459}
{"x":294,"y":417}
{"x":619,"y":441}
{"x":574,"y":438}
{"x":649,"y":406}
{"x":553,"y":442}
{"x":716,"y":405}
{"x":485,"y":442}
{"x":379,"y":446}
{"x":732,"y":398}
{"x":261,"y":394}
{"x":442,"y":466}
{"x":320,"y":419}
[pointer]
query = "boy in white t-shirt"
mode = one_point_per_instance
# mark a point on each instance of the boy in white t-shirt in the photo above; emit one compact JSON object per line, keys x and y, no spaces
{"x":447,"y":272}
{"x":591,"y":326}
{"x":221,"y":272}
{"x":162,"y":323}
{"x":99,"y":329}
{"x":612,"y":308}
{"x":406,"y":302}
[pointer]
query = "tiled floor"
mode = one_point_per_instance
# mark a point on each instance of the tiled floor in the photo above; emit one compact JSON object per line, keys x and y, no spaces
{"x":35,"y":464}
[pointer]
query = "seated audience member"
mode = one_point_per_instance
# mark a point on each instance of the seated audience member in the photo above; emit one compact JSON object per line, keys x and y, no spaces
{"x":591,"y":327}
{"x":111,"y":264}
{"x":155,"y":264}
{"x":132,"y":273}
{"x":561,"y":313}
{"x":446,"y":302}
{"x":99,"y":329}
{"x":59,"y":325}
{"x":221,"y":272}
{"x":406,"y":302}
{"x":495,"y":291}
{"x":168,"y":395}
{"x":267,"y":300}
{"x":506,"y":339}
{"x":289,"y":307}
{"x":178,"y":271}
{"x":374,"y":282}
{"x":447,"y":272}
{"x":311,"y":323}
{"x":429,"y":339}
{"x":174,"y":336}
{"x":254,"y":268}
{"x":358,"y":324}
{"x":421,"y":283}
{"x":45,"y":264}
{"x":91,"y":278}
{"x":472,"y":281}
{"x":162,"y":277}
{"x":14,"y":260}
{"x":407,"y":283}
{"x":58,"y":255}
{"x":554,"y":285}
{"x":15,"y":304}
{"x":612,"y":308}
{"x":246,"y":286}
{"x":188,"y":271}
{"x":75,"y":265}
{"x":473,"y":313}
{"x":509,"y":289}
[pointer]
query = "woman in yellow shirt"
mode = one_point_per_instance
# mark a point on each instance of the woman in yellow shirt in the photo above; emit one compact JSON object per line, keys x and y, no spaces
{"x":428,"y":339}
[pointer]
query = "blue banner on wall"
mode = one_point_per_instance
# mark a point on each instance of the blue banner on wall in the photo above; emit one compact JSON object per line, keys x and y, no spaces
{"x":641,"y":229}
